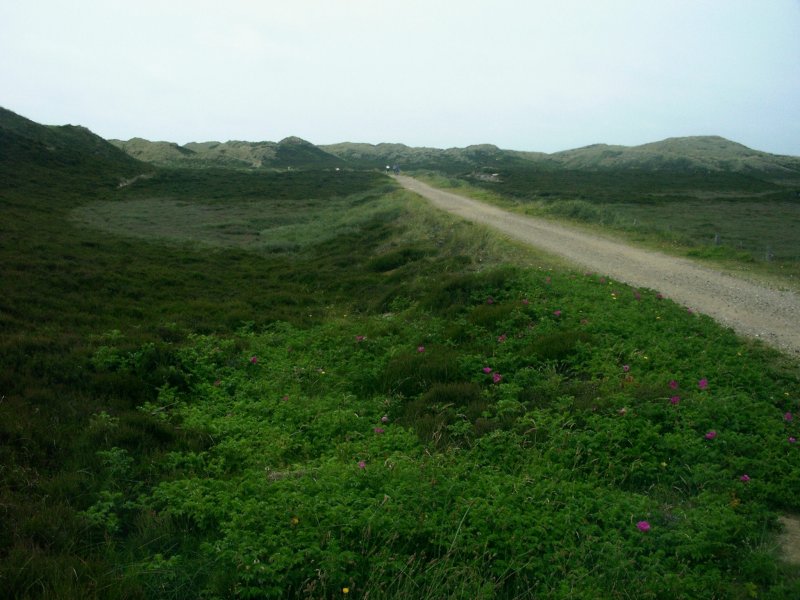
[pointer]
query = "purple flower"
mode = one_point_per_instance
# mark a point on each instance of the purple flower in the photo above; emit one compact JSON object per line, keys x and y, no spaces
{"x":711,"y":435}
{"x":497,"y":378}
{"x":420,"y":349}
{"x":787,"y":416}
{"x":502,"y":338}
{"x":490,"y":300}
{"x":487,"y":370}
{"x":362,"y":464}
{"x":217,"y":382}
{"x":385,"y":419}
{"x":253,"y":360}
{"x":360,"y":338}
{"x":703,"y":383}
{"x":792,"y":440}
{"x":637,"y":296}
{"x":673,"y":384}
{"x":378,"y":430}
{"x":643,"y":526}
{"x":525,"y":301}
{"x":557,"y":313}
{"x":674,"y":400}
{"x":744,"y":478}
{"x":626,"y":368}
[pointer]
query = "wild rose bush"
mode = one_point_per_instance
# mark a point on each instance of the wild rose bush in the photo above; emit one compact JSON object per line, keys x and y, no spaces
{"x":525,"y":435}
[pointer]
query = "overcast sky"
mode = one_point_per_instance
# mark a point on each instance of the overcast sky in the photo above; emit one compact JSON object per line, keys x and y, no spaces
{"x":542,"y":75}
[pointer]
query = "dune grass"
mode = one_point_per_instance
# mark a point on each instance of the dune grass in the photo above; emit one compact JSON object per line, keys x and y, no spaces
{"x":746,"y":232}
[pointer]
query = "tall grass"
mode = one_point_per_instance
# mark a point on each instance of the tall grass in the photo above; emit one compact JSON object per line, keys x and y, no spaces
{"x":737,"y":222}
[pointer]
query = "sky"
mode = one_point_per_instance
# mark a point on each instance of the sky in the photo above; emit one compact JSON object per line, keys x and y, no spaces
{"x":539,"y":75}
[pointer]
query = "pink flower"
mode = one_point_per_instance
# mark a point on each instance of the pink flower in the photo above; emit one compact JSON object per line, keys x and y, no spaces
{"x":487,"y":370}
{"x":711,"y":435}
{"x":643,"y":526}
{"x":673,"y":384}
{"x":792,"y":440}
{"x":217,"y":383}
{"x":253,"y":360}
{"x":497,"y":378}
{"x":502,"y":338}
{"x":285,"y":398}
{"x":690,"y":311}
{"x":675,"y":399}
{"x":557,"y":313}
{"x":703,"y":383}
{"x":744,"y":478}
{"x":360,"y":338}
{"x":420,"y":348}
{"x":525,"y":301}
{"x":362,"y":464}
{"x":787,"y":416}
{"x":490,"y":300}
{"x":378,"y":430}
{"x":626,"y":368}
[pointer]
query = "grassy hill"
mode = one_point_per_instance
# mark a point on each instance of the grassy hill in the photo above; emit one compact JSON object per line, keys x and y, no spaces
{"x":688,"y":154}
{"x":451,"y":160}
{"x":675,"y":167}
{"x":311,"y":384}
{"x":291,"y":152}
{"x":30,"y":152}
{"x":698,"y":154}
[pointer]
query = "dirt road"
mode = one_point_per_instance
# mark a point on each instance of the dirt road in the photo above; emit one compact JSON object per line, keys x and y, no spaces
{"x":750,"y":309}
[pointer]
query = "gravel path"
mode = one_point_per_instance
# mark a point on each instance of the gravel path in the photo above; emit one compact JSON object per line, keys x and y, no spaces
{"x":750,"y":309}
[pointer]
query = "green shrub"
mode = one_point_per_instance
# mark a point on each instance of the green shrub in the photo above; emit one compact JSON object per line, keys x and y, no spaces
{"x":556,"y":346}
{"x":410,"y":373}
{"x":393,"y":259}
{"x":471,"y":288}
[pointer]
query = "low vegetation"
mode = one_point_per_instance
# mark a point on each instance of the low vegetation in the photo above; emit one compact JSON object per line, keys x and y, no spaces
{"x":205,"y":393}
{"x":737,"y":222}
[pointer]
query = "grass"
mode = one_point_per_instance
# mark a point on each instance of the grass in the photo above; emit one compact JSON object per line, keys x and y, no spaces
{"x":188,"y":411}
{"x":754,"y":237}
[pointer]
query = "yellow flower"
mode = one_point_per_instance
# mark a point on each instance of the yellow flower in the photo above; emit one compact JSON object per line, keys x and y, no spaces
{"x":345,"y":590}
{"x":295,"y":520}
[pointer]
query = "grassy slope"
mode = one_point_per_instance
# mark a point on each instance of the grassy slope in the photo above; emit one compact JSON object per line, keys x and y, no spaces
{"x":291,"y":152}
{"x":734,"y":222}
{"x":146,"y":454}
{"x":115,"y":319}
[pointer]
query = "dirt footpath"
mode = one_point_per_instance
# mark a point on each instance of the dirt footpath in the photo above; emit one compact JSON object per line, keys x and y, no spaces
{"x":750,"y":309}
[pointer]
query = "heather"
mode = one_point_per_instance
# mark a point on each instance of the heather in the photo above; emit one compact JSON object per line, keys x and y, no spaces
{"x":311,"y":384}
